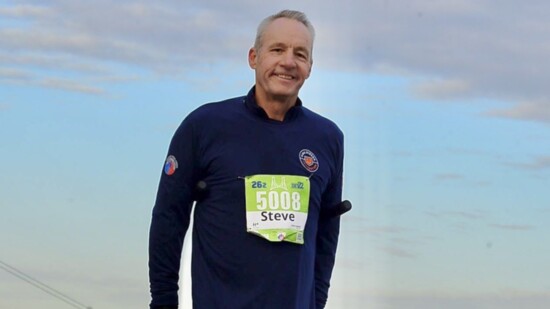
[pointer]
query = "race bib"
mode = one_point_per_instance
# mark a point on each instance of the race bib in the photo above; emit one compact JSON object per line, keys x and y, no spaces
{"x":277,"y":206}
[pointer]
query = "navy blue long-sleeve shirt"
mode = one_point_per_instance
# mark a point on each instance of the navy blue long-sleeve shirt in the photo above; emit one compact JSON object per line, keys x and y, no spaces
{"x":220,"y":143}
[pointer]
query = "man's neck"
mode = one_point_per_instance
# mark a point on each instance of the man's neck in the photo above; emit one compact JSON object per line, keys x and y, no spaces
{"x":275,"y":107}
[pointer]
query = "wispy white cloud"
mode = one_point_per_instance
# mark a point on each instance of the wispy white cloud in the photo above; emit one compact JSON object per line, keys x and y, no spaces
{"x":164,"y":37}
{"x":71,"y":86}
{"x":442,"y":90}
{"x":398,"y":252}
{"x":13,"y":74}
{"x":53,"y":63}
{"x":537,"y":164}
{"x":458,"y":214}
{"x":25,"y":10}
{"x":76,"y":44}
{"x":28,"y":78}
{"x":4,"y":106}
{"x":538,"y":111}
{"x":349,"y":263}
{"x":448,"y":176}
{"x":403,"y":241}
{"x":513,"y":227}
{"x":385,"y":230}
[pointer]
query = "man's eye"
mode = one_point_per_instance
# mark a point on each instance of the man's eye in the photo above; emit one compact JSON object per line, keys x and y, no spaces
{"x":302,"y":56}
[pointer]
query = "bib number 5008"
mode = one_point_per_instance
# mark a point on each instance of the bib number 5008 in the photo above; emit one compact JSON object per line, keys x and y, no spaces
{"x":275,"y":200}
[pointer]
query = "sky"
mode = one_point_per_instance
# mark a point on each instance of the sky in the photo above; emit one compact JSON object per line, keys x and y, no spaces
{"x":444,"y":106}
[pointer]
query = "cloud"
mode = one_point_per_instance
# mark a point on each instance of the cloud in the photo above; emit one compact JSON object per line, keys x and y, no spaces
{"x":448,"y":176}
{"x":71,"y":86}
{"x":384,"y":230}
{"x":53,"y":62}
{"x":458,"y":214}
{"x":81,"y":44}
{"x":398,"y":252}
{"x":461,"y":49}
{"x":28,"y":78}
{"x":470,"y":49}
{"x":350,"y":263}
{"x":441,"y":89}
{"x":20,"y":11}
{"x":537,"y":111}
{"x":161,"y":37}
{"x":512,"y":227}
{"x":105,"y":41}
{"x":13,"y":74}
{"x":537,"y":164}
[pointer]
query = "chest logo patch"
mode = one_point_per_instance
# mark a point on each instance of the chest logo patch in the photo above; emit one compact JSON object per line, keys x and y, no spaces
{"x":170,"y":165}
{"x":308,"y":160}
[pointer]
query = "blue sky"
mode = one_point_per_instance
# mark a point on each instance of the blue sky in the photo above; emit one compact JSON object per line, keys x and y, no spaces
{"x":444,"y":106}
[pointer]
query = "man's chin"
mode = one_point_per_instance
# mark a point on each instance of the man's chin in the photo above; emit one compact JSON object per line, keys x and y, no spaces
{"x":285,"y":92}
{"x":279,"y":92}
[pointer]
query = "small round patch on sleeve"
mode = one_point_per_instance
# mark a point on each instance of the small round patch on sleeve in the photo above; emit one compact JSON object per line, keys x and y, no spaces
{"x":170,"y":165}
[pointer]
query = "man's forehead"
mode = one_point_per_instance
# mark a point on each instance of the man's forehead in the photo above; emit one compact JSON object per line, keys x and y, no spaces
{"x":288,"y":31}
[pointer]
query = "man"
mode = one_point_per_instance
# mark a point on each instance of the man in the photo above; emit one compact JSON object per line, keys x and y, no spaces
{"x":272,"y":168}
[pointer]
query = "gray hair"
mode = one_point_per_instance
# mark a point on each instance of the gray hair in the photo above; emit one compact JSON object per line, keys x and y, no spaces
{"x":290,"y":14}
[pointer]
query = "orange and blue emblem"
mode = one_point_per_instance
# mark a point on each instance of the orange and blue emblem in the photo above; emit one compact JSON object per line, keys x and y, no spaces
{"x":170,"y":165}
{"x":309,"y":160}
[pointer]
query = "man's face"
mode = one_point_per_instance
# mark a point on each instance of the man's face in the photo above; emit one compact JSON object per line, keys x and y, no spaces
{"x":283,"y":60}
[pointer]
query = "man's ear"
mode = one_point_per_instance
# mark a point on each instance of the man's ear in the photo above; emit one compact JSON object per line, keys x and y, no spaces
{"x":252,"y":56}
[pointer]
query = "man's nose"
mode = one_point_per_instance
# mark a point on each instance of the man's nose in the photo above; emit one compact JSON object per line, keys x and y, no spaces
{"x":289,"y":59}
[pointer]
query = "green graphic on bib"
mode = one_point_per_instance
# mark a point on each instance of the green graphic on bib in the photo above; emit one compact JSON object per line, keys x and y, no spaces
{"x":277,"y":206}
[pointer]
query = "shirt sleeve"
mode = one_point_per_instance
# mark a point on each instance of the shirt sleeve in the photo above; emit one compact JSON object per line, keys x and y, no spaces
{"x":171,"y":217}
{"x":327,"y":231}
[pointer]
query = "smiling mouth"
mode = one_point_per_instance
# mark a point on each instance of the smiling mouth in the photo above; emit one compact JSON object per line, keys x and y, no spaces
{"x":284,"y":76}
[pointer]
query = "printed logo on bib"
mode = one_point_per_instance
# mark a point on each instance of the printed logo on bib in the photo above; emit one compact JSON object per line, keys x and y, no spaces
{"x":277,"y":206}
